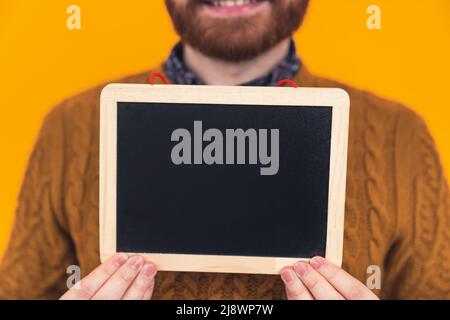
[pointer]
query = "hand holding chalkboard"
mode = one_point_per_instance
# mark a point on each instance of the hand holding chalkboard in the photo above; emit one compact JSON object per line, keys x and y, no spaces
{"x":118,"y":278}
{"x":226,"y":179}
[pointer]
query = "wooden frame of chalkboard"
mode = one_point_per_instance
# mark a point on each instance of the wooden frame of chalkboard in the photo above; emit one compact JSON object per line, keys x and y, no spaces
{"x":335,"y":98}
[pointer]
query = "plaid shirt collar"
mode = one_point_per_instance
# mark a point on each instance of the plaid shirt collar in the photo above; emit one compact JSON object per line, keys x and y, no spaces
{"x":179,"y":73}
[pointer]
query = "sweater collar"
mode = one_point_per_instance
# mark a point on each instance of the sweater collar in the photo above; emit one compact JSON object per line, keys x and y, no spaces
{"x":178,"y":72}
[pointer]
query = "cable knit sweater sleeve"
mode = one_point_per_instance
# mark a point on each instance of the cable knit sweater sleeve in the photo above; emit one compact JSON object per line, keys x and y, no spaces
{"x":40,"y":249}
{"x":419,"y":260}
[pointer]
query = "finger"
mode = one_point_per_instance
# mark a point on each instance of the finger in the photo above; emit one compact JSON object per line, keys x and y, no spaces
{"x":295,"y":289}
{"x":89,"y":285}
{"x":149,"y":292}
{"x":118,"y":284}
{"x":344,"y":283}
{"x":319,"y":287}
{"x":143,"y":281}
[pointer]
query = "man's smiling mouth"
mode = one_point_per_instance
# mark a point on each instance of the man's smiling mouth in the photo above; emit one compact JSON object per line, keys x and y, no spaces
{"x":234,"y":7}
{"x":231,"y":3}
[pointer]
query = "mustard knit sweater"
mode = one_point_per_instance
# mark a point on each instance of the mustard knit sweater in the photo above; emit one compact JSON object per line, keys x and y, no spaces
{"x":396,"y":217}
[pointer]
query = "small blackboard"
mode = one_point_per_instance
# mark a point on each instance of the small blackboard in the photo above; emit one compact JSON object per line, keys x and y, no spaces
{"x":222,"y":179}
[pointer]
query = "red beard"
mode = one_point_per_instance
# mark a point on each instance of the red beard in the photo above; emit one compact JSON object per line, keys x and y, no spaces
{"x":237,"y":38}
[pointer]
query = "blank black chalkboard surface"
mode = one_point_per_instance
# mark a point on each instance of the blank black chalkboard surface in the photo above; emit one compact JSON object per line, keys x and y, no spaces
{"x":222,"y":179}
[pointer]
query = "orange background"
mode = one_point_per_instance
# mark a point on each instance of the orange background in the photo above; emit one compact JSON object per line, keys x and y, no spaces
{"x":42,"y":62}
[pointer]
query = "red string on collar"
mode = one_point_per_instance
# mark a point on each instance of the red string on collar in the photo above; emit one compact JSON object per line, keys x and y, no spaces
{"x":292,"y":83}
{"x":156,"y":74}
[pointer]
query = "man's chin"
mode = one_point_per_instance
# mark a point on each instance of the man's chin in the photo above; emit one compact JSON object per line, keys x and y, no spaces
{"x":233,"y":37}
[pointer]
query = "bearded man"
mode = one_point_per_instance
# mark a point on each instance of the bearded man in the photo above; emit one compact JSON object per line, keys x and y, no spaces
{"x":397,"y":200}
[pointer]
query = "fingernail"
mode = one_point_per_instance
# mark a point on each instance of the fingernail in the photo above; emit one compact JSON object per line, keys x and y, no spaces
{"x":287,"y":275}
{"x":317,"y":262}
{"x":300,"y":268}
{"x":120,"y":258}
{"x":149,"y":270}
{"x":136,"y":262}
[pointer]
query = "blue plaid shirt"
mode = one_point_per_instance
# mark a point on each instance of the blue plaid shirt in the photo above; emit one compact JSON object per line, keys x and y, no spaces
{"x":179,"y":73}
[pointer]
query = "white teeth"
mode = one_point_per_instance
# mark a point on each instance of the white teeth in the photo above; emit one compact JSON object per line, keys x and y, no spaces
{"x":230,"y":3}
